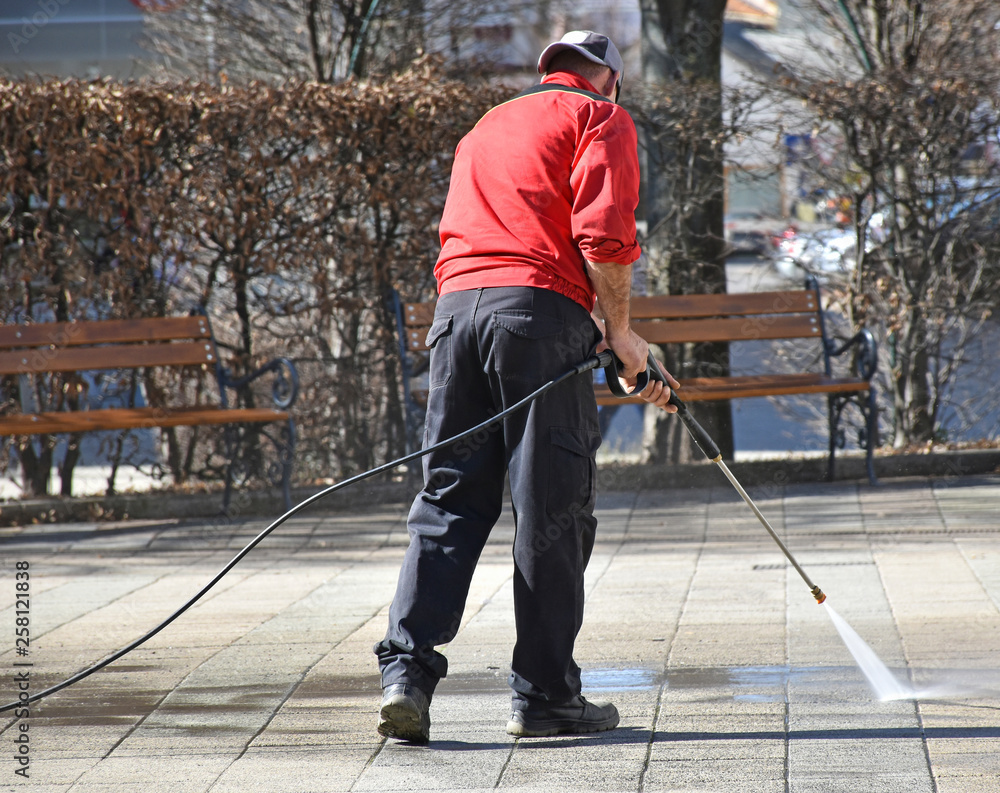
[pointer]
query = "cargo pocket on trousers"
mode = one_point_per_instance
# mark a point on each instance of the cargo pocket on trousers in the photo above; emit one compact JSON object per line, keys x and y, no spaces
{"x":439,"y":343}
{"x":572,"y":470}
{"x":519,"y":337}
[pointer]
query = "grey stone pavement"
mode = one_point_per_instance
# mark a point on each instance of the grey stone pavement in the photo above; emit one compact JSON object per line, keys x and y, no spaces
{"x":728,"y":675}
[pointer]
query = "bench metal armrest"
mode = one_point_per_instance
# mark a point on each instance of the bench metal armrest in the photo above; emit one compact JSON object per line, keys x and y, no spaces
{"x":284,"y":389}
{"x":866,"y":357}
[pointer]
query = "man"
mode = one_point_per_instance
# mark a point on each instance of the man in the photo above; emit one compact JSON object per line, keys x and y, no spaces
{"x":539,"y":221}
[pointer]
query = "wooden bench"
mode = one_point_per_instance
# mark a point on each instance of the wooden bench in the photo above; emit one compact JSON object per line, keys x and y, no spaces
{"x":757,"y":316}
{"x":72,"y":348}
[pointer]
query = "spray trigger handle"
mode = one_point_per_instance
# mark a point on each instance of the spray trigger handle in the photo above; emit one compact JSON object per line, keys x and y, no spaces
{"x":701,"y":438}
{"x":612,"y":371}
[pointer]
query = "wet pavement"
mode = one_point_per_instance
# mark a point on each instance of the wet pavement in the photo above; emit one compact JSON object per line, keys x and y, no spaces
{"x":727,"y":674}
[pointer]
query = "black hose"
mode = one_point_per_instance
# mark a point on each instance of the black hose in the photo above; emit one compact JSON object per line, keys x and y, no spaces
{"x":601,"y":359}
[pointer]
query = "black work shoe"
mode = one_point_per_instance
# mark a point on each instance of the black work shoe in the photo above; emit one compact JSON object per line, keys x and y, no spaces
{"x":573,"y":717}
{"x":404,"y":713}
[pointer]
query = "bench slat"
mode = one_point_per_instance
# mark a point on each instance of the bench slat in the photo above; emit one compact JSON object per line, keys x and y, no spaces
{"x":738,"y":304}
{"x":112,"y":331}
{"x":700,"y":389}
{"x":763,"y":315}
{"x":415,"y":339}
{"x":133,"y":418}
{"x":419,"y":314}
{"x":734,"y":329}
{"x":126,"y":356}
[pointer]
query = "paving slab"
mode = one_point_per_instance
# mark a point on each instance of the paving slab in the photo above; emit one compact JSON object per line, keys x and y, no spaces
{"x":727,"y":674}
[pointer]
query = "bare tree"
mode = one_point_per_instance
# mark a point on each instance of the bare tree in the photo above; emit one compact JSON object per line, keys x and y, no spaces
{"x":330,"y":40}
{"x":913,"y":95}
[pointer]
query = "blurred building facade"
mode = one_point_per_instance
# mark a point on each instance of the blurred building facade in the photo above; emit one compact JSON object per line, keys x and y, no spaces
{"x":70,"y":38}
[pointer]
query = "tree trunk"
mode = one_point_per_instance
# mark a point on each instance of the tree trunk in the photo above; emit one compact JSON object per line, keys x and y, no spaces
{"x":36,"y":468}
{"x":39,"y":395}
{"x":682,"y":44}
{"x":912,"y":421}
{"x":69,"y":461}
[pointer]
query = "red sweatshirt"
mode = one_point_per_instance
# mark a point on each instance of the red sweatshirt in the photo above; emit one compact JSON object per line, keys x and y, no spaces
{"x":541,"y":182}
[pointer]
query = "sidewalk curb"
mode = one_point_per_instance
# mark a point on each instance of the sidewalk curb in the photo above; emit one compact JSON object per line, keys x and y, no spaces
{"x":611,"y":477}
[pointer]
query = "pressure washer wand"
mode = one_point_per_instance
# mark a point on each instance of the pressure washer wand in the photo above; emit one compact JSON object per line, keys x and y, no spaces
{"x":815,"y":590}
{"x":710,"y":449}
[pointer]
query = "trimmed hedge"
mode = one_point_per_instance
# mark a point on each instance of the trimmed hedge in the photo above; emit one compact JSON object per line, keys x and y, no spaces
{"x":289,"y":212}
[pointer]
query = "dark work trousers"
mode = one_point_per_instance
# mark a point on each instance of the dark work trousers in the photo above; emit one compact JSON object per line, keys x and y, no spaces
{"x":490,"y":348}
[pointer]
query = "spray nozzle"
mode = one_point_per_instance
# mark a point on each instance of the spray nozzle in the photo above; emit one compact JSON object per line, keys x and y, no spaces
{"x":818,"y":594}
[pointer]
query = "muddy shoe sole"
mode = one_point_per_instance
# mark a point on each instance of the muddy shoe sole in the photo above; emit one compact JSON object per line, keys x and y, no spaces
{"x":403,"y":717}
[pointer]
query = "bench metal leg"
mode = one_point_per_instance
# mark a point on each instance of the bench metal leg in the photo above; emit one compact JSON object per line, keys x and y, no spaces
{"x":231,"y":443}
{"x":286,"y":455}
{"x":867,"y":438}
{"x":279,"y":472}
{"x":835,"y":407}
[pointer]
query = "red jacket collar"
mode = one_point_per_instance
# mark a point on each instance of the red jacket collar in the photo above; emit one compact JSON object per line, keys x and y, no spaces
{"x":570,"y":79}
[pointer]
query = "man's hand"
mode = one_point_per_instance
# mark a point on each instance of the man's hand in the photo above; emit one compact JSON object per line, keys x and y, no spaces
{"x":612,"y":283}
{"x":658,"y":394}
{"x":633,"y":351}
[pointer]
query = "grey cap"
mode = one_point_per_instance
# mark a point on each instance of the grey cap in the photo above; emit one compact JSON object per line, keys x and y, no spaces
{"x":593,"y":46}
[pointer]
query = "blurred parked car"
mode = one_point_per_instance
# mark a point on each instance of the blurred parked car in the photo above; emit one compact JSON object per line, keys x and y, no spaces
{"x":750,"y":232}
{"x":821,"y":253}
